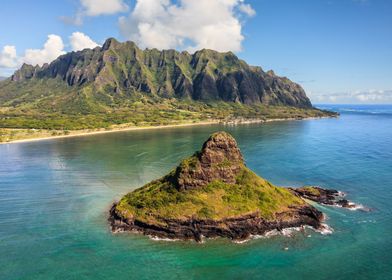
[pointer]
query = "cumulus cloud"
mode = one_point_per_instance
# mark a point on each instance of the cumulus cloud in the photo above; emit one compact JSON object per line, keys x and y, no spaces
{"x":80,"y":41}
{"x":370,"y":96}
{"x":53,"y":48}
{"x":247,"y":9}
{"x":94,"y":8}
{"x":375,"y":96}
{"x":186,"y":24}
{"x":103,"y":7}
{"x":8,"y":57}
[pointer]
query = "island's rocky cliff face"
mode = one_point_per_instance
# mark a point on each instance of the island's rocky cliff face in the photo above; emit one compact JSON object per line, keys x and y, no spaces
{"x":238,"y":228}
{"x":212,"y":194}
{"x":219,"y":159}
{"x":124,"y":69}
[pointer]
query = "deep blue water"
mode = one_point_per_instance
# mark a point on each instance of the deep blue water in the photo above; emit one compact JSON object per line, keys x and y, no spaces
{"x":55,"y":196}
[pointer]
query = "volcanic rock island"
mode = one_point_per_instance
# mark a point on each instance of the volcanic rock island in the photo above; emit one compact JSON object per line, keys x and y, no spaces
{"x":213,"y":194}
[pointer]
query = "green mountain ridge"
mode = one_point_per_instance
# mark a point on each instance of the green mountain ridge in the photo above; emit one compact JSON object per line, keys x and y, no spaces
{"x":120,"y":84}
{"x":122,"y":71}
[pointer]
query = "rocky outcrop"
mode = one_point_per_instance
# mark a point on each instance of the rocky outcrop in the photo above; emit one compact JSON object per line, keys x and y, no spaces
{"x":239,"y":228}
{"x":324,"y":196}
{"x":206,"y":75}
{"x":211,"y":194}
{"x":219,"y":159}
{"x":26,"y":72}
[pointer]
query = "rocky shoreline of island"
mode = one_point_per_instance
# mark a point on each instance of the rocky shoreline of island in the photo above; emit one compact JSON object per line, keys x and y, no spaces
{"x":243,"y":227}
{"x":237,"y":228}
{"x":328,"y":197}
{"x":213,"y":194}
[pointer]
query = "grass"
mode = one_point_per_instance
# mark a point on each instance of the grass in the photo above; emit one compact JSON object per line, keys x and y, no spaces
{"x":160,"y":200}
{"x":19,"y":122}
{"x":311,"y":190}
{"x":134,"y":87}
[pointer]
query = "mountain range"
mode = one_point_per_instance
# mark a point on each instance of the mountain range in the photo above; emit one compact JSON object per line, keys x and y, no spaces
{"x":120,"y":83}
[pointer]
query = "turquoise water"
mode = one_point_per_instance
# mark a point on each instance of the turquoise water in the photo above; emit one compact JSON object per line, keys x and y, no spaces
{"x":55,"y":196}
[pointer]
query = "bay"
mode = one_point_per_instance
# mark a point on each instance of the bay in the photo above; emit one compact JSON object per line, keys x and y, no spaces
{"x":55,"y":196}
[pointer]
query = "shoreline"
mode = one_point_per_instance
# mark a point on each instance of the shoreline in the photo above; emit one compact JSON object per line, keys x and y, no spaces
{"x":135,"y":128}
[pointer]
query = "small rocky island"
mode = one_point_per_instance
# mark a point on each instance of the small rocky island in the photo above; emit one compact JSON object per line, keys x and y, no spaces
{"x":214,"y":194}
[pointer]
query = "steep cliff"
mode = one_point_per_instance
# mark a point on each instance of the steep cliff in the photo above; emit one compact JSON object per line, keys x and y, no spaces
{"x":122,"y":70}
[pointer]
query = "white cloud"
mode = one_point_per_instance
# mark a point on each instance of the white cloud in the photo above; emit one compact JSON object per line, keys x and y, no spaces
{"x":93,"y":8}
{"x":369,"y":96}
{"x":247,"y":9}
{"x":80,"y":41}
{"x":375,"y":96}
{"x":186,"y":24}
{"x":103,"y":7}
{"x":53,"y":48}
{"x":8,"y":57}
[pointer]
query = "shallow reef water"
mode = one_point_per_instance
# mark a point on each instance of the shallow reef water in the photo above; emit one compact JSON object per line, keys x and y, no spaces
{"x":55,"y":196}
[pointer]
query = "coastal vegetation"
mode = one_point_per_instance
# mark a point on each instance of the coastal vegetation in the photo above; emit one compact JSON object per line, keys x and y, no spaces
{"x":161,"y":200}
{"x":212,"y":193}
{"x":25,"y":123}
{"x":119,"y":84}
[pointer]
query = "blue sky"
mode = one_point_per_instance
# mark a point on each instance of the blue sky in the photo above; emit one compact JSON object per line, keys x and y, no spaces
{"x":340,"y":51}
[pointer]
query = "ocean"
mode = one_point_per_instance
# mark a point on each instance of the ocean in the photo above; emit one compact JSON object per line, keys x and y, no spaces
{"x":55,"y":196}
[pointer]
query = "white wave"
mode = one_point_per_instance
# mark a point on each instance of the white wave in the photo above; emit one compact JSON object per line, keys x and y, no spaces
{"x":271,"y":233}
{"x":242,"y":241}
{"x":118,"y":230}
{"x":354,"y":207}
{"x":351,"y":206}
{"x":155,"y":238}
{"x":286,"y":232}
{"x":341,"y":194}
{"x":367,"y":221}
{"x":324,"y":229}
{"x":289,"y":232}
{"x":267,"y":234}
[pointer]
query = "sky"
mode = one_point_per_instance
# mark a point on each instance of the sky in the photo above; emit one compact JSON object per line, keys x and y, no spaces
{"x":340,"y":51}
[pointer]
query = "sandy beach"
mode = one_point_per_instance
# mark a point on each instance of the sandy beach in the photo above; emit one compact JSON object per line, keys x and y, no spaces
{"x":133,"y":128}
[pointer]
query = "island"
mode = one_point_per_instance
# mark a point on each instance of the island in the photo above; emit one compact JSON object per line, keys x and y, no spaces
{"x":213,"y":194}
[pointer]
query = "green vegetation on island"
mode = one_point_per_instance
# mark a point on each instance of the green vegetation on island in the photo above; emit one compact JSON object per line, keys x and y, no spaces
{"x":212,"y":193}
{"x":216,"y":200}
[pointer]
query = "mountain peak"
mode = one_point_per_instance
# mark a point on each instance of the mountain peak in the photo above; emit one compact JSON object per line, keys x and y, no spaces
{"x":219,"y":147}
{"x":271,"y":73}
{"x":121,"y":69}
{"x":219,"y":159}
{"x":110,"y":42}
{"x":27,"y":71}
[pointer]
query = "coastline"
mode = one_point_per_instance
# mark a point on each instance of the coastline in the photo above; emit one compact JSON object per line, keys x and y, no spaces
{"x":238,"y":121}
{"x":104,"y":131}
